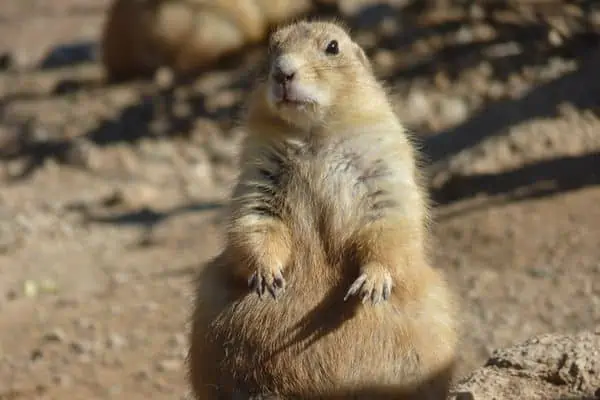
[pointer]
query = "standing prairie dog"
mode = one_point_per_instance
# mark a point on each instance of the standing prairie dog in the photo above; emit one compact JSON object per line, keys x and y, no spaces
{"x":323,"y":289}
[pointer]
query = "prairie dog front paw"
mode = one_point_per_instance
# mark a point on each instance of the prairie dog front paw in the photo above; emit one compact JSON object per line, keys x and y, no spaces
{"x":374,"y":284}
{"x":269,"y":279}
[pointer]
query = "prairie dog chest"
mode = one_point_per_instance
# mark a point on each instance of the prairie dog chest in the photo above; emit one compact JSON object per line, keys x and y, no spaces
{"x":338,"y":182}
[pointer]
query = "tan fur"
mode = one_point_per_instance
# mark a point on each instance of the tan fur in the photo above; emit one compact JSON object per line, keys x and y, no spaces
{"x":141,"y":35}
{"x":328,"y":192}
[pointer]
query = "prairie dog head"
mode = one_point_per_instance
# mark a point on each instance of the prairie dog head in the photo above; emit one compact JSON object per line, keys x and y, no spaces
{"x":316,"y":73}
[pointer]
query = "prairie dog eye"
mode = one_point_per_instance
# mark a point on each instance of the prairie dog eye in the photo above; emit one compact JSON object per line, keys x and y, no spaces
{"x":332,"y":48}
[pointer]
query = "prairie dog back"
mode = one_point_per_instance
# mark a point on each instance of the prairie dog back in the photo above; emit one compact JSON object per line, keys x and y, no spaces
{"x":323,"y":289}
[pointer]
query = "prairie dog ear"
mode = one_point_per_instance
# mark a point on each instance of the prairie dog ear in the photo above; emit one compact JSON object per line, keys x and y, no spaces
{"x":362,"y":56}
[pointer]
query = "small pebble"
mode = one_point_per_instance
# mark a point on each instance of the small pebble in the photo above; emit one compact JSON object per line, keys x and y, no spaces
{"x":56,"y":335}
{"x":81,"y":347}
{"x":36,"y":354}
{"x":168,"y":365}
{"x":141,"y":375}
{"x":121,"y":278}
{"x":116,"y":341}
{"x":85,"y":323}
{"x":30,"y":288}
{"x":63,"y":380}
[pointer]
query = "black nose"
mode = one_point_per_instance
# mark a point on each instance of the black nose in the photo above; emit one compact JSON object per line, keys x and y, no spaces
{"x":281,"y":77}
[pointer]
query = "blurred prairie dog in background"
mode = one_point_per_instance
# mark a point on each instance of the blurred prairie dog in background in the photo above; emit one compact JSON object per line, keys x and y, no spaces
{"x":141,"y":35}
{"x":323,"y":289}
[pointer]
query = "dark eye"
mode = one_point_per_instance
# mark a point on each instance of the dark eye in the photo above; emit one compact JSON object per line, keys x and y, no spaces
{"x":332,"y":48}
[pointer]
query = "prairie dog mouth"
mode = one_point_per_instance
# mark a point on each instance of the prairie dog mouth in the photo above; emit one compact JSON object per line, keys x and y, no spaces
{"x":288,"y":93}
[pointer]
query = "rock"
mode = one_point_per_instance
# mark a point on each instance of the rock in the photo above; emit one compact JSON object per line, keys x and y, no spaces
{"x":142,"y":375}
{"x":116,"y":341}
{"x":121,"y":278}
{"x":168,"y":365}
{"x":544,"y":367}
{"x":36,"y":354}
{"x":56,"y":335}
{"x":133,"y":195}
{"x":454,"y":110}
{"x":30,"y":288}
{"x":82,"y":153}
{"x":85,"y":323}
{"x":63,"y":380}
{"x":82,"y":347}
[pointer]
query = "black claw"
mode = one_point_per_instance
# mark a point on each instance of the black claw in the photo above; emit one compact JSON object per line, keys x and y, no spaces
{"x":356,"y":286}
{"x":261,"y":285}
{"x":272,"y":291}
{"x":252,"y":281}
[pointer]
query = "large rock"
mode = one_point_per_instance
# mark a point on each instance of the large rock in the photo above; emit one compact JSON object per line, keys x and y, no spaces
{"x":547,"y":367}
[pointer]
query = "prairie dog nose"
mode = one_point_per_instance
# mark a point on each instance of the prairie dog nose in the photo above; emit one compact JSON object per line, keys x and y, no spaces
{"x":284,"y":70}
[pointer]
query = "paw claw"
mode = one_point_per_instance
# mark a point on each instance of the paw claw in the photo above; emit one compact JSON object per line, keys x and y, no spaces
{"x":265,"y":280}
{"x":372,"y":286}
{"x":356,"y":286}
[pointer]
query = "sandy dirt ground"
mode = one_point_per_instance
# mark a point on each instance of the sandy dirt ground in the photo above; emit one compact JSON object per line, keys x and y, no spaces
{"x":111,"y":194}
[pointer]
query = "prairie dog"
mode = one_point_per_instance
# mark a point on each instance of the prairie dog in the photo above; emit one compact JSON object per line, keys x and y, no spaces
{"x":323,"y":289}
{"x":141,"y":35}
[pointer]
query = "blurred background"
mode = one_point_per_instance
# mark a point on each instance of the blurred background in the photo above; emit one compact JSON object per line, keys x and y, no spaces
{"x":118,"y":145}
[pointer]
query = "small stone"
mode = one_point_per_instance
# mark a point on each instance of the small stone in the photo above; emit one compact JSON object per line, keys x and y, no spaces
{"x":141,"y":375}
{"x":555,"y":38}
{"x":121,"y":278}
{"x":63,"y":380}
{"x":81,"y":347}
{"x":36,"y":354}
{"x":116,"y":341}
{"x":83,"y":153}
{"x":85,"y":323}
{"x":168,"y":365}
{"x":133,"y":195}
{"x":56,"y":335}
{"x":30,"y":288}
{"x":454,"y":110}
